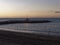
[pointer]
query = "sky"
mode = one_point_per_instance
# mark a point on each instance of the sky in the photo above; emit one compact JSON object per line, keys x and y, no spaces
{"x":29,"y":8}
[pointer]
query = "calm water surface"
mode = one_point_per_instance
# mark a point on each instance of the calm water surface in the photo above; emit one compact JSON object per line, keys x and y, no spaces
{"x":52,"y":27}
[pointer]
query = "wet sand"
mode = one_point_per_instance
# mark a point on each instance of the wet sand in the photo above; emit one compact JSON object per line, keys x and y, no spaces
{"x":15,"y":38}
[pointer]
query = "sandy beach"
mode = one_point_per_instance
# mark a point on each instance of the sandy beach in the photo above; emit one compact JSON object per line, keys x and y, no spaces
{"x":14,"y":38}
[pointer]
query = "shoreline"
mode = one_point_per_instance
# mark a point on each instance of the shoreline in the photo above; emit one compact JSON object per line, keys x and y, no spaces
{"x":29,"y":35}
{"x":27,"y":38}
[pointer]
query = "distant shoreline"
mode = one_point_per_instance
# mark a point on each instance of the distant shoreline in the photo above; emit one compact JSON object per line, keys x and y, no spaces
{"x":19,"y":18}
{"x":23,"y":21}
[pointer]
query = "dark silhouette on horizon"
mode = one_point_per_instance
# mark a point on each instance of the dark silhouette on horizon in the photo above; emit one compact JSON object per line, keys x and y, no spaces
{"x":23,"y":21}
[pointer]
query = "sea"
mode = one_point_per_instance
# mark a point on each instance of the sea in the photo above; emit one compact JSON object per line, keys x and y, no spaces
{"x":51,"y":28}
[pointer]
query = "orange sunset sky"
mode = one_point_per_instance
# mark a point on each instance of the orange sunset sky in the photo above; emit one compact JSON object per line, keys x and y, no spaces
{"x":29,"y":8}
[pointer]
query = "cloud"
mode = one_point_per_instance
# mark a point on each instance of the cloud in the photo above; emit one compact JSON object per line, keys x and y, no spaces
{"x":54,"y":11}
{"x":57,"y":11}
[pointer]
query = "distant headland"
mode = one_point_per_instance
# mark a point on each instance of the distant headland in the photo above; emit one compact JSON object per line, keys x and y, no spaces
{"x":23,"y":21}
